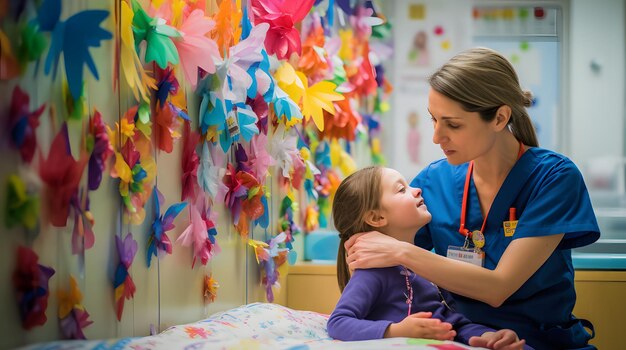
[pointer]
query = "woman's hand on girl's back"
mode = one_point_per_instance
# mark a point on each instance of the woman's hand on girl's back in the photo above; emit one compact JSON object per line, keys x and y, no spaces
{"x":421,"y":325}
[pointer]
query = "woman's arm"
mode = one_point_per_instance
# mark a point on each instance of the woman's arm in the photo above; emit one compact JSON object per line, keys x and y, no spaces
{"x":521,"y":259}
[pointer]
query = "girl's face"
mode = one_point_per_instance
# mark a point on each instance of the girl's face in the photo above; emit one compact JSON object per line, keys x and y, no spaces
{"x":462,"y":135}
{"x":402,"y":206}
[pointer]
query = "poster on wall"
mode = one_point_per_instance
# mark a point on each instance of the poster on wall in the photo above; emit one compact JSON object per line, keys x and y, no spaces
{"x":426,"y":35}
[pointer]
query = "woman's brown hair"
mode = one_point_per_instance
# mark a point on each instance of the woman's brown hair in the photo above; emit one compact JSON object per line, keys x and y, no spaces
{"x":357,"y":195}
{"x":482,"y":81}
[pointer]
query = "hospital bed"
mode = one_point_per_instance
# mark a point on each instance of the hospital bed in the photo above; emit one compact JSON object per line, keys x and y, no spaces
{"x":251,"y":326}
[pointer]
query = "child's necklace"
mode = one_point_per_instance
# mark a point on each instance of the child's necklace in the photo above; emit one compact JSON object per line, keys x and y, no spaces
{"x":409,"y":289}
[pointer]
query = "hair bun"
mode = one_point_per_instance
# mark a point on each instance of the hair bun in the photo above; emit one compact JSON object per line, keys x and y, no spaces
{"x":528,"y":98}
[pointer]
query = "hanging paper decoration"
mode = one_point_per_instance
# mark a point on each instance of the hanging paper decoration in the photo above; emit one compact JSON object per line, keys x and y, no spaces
{"x":100,"y":148}
{"x":243,"y":198}
{"x":283,"y":38}
{"x":314,"y":99}
{"x":31,"y":45}
{"x":210,"y":174}
{"x":158,"y":242}
{"x":314,"y":61}
{"x":22,"y":124}
{"x":73,"y":316}
{"x":61,"y":173}
{"x":136,"y":77}
{"x":227,"y":30}
{"x":234,"y":72}
{"x":195,"y":49}
{"x":9,"y":67}
{"x":200,"y":233}
{"x":259,"y":159}
{"x":283,"y":148}
{"x":343,"y":124}
{"x":190,"y":162}
{"x":134,"y":164}
{"x":82,"y":235}
{"x":73,"y":38}
{"x":167,"y":123}
{"x":286,"y":221}
{"x":270,"y":256}
{"x":30,"y":280}
{"x":123,"y":284}
{"x":210,"y":289}
{"x":21,"y":206}
{"x":362,"y":21}
{"x":285,"y":107}
{"x":158,"y":36}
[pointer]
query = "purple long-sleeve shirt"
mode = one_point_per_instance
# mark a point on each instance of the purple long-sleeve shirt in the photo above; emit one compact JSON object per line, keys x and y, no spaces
{"x":375,"y":298}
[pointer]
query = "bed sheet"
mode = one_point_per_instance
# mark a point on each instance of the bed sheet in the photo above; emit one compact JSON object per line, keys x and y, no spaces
{"x":251,"y":326}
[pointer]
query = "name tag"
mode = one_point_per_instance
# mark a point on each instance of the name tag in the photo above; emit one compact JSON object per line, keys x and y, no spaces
{"x":509,"y":228}
{"x":468,"y":255}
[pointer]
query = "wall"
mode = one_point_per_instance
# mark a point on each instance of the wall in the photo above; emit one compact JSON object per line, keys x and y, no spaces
{"x":597,"y":114}
{"x":591,"y":124}
{"x":170,"y":291}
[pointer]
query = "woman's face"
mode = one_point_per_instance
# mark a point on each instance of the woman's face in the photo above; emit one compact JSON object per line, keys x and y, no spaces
{"x":462,"y":135}
{"x":402,"y":206}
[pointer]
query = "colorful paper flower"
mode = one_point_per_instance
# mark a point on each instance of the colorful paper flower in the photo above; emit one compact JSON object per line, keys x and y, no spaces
{"x":200,"y":233}
{"x":123,"y":283}
{"x":30,"y":281}
{"x":158,"y":242}
{"x":61,"y":173}
{"x":22,"y":206}
{"x":135,"y":75}
{"x":194,"y":48}
{"x":210,"y":288}
{"x":282,"y":38}
{"x":100,"y":148}
{"x":189,"y":163}
{"x":23,"y":123}
{"x":73,"y":38}
{"x":158,"y":36}
{"x":73,"y":316}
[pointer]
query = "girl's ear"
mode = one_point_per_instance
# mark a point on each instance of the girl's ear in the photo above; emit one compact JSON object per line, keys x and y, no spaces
{"x":375,"y":218}
{"x":503,"y":115}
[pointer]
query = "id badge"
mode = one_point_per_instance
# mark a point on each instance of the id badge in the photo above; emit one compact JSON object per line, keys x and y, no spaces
{"x":468,"y":255}
{"x":509,"y":228}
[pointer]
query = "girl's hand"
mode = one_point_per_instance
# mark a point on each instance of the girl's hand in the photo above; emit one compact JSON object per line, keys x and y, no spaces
{"x":504,"y":339}
{"x":372,"y":249}
{"x":421,"y":325}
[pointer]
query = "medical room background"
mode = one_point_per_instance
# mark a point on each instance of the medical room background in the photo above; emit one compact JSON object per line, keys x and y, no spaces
{"x":166,"y":160}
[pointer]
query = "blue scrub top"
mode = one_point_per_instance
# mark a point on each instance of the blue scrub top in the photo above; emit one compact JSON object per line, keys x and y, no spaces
{"x":550,"y":197}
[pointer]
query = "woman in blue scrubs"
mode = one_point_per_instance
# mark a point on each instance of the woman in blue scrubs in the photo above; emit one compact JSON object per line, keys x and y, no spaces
{"x":506,"y":213}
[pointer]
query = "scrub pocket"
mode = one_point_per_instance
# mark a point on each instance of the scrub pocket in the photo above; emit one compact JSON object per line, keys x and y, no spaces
{"x":572,"y":335}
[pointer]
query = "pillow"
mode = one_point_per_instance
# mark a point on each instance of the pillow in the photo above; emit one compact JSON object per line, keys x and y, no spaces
{"x":256,"y":321}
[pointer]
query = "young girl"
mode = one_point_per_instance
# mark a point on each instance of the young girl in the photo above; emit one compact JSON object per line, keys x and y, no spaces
{"x":393,"y":301}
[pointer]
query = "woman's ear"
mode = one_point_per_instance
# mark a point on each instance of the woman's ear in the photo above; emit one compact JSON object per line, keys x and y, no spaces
{"x":375,"y":219}
{"x":503,"y":115}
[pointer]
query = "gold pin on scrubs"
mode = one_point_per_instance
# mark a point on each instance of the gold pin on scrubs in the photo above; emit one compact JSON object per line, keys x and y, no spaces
{"x":478,"y":239}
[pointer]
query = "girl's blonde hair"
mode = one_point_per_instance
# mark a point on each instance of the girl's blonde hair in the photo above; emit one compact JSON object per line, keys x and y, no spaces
{"x":482,"y":80}
{"x":357,"y":195}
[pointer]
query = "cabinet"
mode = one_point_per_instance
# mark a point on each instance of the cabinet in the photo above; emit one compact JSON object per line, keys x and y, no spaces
{"x":601,"y":297}
{"x":312,"y":287}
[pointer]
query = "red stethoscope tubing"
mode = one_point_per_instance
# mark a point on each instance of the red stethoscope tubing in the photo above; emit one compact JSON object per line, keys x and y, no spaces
{"x":462,"y":230}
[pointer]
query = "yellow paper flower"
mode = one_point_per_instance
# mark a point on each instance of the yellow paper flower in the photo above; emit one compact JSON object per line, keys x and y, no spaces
{"x":259,"y":252}
{"x":136,"y":77}
{"x":69,"y":299}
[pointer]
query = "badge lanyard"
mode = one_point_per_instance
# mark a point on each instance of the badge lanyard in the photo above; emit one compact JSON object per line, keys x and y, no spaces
{"x":477,"y":236}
